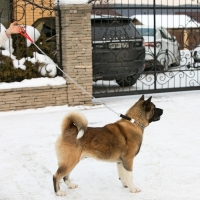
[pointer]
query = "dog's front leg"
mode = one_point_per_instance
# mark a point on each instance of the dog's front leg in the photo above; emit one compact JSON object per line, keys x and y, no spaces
{"x":128,"y":177}
{"x":129,"y":181}
{"x":120,"y":173}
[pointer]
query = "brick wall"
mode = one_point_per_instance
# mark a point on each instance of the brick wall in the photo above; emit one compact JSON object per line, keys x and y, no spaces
{"x":34,"y":97}
{"x":77,"y":51}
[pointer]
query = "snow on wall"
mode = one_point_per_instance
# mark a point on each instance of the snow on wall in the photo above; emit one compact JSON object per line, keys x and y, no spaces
{"x":167,"y":21}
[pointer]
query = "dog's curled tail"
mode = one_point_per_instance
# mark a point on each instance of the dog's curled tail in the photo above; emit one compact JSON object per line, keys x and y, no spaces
{"x":78,"y":120}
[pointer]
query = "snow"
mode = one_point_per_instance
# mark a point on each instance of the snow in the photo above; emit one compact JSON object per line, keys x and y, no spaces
{"x":34,"y":82}
{"x":167,"y":166}
{"x":48,"y":67}
{"x":33,"y":33}
{"x":63,"y":2}
{"x":19,"y":63}
{"x":149,"y":2}
{"x":158,"y":2}
{"x":168,"y":21}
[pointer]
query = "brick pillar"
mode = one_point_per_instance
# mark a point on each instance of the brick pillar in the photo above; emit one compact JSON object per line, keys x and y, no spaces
{"x":77,"y":51}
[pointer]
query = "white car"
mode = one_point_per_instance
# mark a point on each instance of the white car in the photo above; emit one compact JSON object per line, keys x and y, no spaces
{"x":196,"y":57}
{"x":167,"y":47}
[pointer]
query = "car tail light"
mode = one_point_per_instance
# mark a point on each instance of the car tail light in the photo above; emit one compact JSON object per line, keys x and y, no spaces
{"x":151,"y":44}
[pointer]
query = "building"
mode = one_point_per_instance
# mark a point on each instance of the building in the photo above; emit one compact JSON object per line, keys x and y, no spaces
{"x":184,"y":28}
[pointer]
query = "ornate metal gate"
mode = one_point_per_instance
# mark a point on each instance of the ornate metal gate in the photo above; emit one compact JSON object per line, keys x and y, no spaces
{"x":148,"y":47}
{"x":171,"y":33}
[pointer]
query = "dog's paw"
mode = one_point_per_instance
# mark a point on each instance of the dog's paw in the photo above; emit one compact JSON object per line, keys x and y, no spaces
{"x":124,"y":184}
{"x":134,"y":190}
{"x":72,"y":185}
{"x":60,"y":193}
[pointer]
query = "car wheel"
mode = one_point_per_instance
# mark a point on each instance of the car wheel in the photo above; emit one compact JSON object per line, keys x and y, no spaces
{"x":151,"y":67}
{"x":166,"y":65}
{"x":128,"y":81}
{"x":159,"y":67}
{"x":178,"y":59}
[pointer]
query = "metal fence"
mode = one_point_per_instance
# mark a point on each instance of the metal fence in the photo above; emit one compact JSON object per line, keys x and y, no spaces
{"x":148,"y":47}
{"x":171,"y":32}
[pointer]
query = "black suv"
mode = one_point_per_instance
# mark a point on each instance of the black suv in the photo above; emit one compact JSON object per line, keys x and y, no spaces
{"x":118,"y":51}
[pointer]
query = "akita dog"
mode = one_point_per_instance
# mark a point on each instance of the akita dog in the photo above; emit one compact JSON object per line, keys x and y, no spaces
{"x":116,"y":142}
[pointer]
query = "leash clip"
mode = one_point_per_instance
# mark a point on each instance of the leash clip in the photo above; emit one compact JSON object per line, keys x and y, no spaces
{"x":25,"y":34}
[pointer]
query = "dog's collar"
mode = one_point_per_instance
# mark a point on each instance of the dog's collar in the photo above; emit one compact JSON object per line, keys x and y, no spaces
{"x":132,"y":121}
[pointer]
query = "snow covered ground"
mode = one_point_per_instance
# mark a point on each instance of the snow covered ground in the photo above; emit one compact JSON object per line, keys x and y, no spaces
{"x":167,"y":167}
{"x":34,"y":82}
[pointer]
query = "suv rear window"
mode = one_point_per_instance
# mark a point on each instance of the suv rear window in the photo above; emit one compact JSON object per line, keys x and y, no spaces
{"x":113,"y":29}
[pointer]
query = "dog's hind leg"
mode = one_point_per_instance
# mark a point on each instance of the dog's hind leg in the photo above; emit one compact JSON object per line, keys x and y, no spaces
{"x":61,"y":172}
{"x":65,"y":167}
{"x":69,"y":183}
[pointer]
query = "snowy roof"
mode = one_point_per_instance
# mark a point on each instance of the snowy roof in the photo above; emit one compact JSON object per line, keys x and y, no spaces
{"x":63,"y":2}
{"x":149,"y":2}
{"x":168,"y":21}
{"x":108,"y":16}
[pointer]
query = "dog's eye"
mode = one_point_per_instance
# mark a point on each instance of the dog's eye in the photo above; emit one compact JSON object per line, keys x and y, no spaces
{"x":148,"y":108}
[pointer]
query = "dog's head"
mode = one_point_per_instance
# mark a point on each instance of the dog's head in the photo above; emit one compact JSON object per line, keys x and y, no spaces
{"x":144,"y":111}
{"x":153,"y":114}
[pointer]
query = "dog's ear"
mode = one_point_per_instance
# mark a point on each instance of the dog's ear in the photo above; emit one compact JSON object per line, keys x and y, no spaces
{"x":147,"y":104}
{"x":141,"y":98}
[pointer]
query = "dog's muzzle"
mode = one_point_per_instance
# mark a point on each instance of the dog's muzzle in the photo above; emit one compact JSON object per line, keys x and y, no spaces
{"x":156,"y":115}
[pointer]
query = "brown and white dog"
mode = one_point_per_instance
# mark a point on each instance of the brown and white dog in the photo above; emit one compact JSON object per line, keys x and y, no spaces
{"x":117,"y":142}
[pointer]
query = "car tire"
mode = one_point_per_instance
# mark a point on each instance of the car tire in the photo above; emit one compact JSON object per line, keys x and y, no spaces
{"x":150,"y":66}
{"x":178,"y":60}
{"x":128,"y":81}
{"x":159,"y":67}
